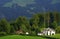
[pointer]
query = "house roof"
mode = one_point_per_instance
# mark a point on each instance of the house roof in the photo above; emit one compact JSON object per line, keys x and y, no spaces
{"x":48,"y":29}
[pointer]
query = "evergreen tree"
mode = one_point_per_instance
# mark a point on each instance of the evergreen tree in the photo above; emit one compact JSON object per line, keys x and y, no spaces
{"x":5,"y":26}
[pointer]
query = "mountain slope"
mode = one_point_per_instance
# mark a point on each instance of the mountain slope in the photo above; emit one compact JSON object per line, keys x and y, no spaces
{"x":11,"y":9}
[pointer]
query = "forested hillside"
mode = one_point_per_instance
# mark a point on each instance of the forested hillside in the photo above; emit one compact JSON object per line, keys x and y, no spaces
{"x":33,"y":25}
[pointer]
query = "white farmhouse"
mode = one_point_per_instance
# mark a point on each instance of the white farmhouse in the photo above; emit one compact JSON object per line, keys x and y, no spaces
{"x":47,"y":31}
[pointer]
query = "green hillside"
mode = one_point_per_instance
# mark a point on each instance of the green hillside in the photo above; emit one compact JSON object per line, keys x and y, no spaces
{"x":20,"y":37}
{"x":57,"y":36}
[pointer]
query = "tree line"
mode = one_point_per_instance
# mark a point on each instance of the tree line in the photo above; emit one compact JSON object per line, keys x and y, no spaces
{"x":33,"y":25}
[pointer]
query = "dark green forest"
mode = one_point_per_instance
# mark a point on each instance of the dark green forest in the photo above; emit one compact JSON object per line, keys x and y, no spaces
{"x":33,"y":25}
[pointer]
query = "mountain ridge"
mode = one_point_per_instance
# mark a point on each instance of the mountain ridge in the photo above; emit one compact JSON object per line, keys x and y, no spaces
{"x":30,"y":8}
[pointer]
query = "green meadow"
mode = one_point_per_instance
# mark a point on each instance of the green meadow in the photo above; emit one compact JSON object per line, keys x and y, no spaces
{"x":21,"y":37}
{"x":57,"y":36}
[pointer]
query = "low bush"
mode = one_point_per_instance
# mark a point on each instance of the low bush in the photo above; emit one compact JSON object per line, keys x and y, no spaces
{"x":2,"y":33}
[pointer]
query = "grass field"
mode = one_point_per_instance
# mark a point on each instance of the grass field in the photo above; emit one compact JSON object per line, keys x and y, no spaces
{"x":57,"y":36}
{"x":21,"y":37}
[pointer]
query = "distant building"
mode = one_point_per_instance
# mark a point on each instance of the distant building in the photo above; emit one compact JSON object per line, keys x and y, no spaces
{"x":19,"y":32}
{"x":47,"y":31}
{"x":40,"y":34}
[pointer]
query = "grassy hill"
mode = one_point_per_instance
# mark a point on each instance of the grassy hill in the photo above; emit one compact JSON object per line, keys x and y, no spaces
{"x":57,"y":36}
{"x":21,"y":37}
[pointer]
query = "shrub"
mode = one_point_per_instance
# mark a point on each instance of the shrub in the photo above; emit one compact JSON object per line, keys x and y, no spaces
{"x":58,"y":29}
{"x":33,"y":33}
{"x":2,"y":33}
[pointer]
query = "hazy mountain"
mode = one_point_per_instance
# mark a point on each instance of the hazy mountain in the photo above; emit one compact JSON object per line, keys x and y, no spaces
{"x":11,"y":9}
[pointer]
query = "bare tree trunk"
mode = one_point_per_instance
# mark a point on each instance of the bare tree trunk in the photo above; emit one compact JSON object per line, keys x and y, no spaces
{"x":44,"y":19}
{"x":48,"y":19}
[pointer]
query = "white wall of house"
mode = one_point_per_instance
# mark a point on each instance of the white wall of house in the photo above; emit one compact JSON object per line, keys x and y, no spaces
{"x":48,"y":33}
{"x":44,"y":32}
{"x":39,"y":34}
{"x":52,"y":32}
